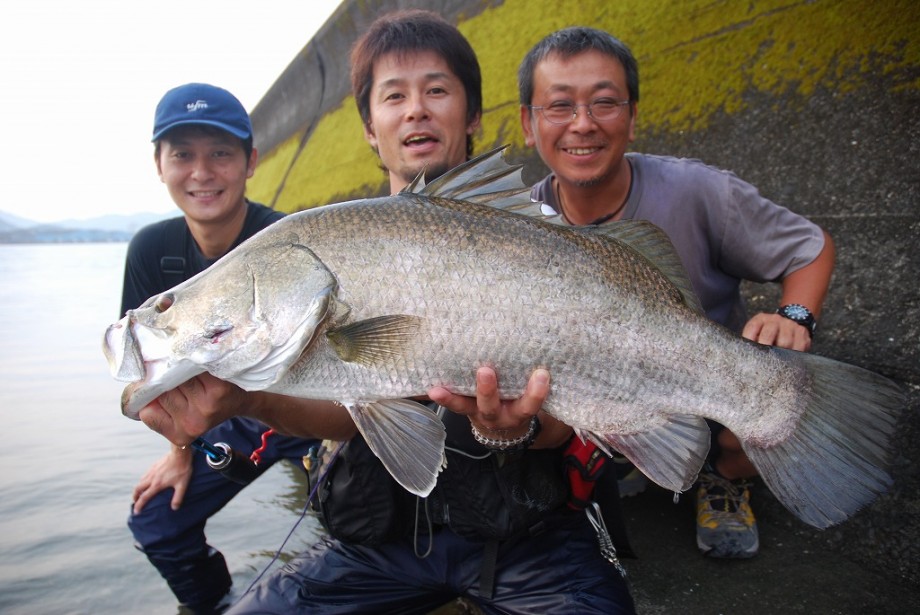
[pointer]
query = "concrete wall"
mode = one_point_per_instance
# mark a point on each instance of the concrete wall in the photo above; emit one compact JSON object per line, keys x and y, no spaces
{"x":814,"y":101}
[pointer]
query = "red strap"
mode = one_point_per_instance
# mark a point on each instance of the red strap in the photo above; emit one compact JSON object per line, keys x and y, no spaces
{"x":257,"y":454}
{"x":584,"y":463}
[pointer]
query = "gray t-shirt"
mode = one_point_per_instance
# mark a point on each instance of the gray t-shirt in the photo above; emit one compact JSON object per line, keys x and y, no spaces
{"x":722,"y":228}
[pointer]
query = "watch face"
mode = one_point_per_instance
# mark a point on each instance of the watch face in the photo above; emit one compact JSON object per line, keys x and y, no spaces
{"x":796,"y":312}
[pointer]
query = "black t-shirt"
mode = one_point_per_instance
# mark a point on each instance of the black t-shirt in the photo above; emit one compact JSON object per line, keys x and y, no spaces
{"x":164,"y":254}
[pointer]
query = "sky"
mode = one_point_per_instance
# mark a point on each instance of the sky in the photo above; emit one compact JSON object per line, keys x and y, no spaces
{"x":80,"y":79}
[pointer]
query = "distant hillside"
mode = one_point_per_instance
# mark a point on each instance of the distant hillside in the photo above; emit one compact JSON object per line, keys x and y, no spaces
{"x":110,"y":228}
{"x":9,"y":221}
{"x":49,"y":233}
{"x":118,"y":222}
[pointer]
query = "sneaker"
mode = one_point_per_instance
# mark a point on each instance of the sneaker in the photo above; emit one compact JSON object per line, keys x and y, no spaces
{"x":630,"y":481}
{"x":725,"y":524}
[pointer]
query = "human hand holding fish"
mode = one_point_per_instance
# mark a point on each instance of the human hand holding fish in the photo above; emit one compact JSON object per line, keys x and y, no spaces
{"x":776,"y":330}
{"x":804,"y":289}
{"x":374,"y":302}
{"x":506,"y":418}
{"x":183,"y":413}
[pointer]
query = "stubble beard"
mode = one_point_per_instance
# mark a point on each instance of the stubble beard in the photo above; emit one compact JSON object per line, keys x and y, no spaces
{"x":432,"y":171}
{"x":589,"y":183}
{"x":593,"y":181}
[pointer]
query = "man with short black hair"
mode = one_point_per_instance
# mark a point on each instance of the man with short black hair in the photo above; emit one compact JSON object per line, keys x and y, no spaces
{"x":204,"y":154}
{"x":496,"y":529}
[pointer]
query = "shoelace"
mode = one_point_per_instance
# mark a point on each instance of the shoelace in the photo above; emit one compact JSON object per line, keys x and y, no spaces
{"x":731,"y":494}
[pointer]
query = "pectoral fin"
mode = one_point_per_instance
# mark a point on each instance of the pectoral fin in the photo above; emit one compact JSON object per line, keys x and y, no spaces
{"x":407,"y":437}
{"x":369,"y":341}
{"x":670,"y":455}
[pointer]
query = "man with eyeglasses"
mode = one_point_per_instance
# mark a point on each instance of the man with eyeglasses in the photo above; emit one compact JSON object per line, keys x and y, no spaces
{"x":579,"y":93}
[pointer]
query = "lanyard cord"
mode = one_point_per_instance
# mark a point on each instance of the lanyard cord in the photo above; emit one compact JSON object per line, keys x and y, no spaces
{"x":306,"y":507}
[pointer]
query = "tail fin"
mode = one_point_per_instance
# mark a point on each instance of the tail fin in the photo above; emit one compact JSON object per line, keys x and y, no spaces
{"x":833,"y":464}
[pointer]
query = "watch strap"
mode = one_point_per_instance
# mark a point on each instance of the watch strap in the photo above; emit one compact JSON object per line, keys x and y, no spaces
{"x":799,"y":314}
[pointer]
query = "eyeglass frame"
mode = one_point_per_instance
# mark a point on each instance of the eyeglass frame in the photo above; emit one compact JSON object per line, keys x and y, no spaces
{"x":574,"y":106}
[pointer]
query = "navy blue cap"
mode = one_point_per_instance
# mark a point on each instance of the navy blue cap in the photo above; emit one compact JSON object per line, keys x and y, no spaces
{"x":200,"y":103}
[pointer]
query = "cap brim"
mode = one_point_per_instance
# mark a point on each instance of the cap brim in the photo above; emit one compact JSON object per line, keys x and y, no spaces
{"x":236,"y":132}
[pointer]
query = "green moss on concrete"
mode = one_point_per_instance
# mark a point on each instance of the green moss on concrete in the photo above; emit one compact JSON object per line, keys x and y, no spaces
{"x":335,"y":163}
{"x":271,"y":170}
{"x":697,"y":58}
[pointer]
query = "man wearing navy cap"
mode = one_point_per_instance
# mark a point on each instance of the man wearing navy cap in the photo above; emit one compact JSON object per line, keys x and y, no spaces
{"x":204,"y":153}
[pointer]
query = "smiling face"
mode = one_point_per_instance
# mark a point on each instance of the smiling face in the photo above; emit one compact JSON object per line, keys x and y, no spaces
{"x":417,"y":116}
{"x":205,"y":172}
{"x":585,"y":151}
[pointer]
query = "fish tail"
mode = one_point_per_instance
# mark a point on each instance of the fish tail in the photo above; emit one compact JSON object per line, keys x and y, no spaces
{"x":834,"y":462}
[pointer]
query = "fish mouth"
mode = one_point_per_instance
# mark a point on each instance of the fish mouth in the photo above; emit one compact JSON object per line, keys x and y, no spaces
{"x":123,"y":348}
{"x":122,"y":352}
{"x":149,"y":376}
{"x":160,"y":376}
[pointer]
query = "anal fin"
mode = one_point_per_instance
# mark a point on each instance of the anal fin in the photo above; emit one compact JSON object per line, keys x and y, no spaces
{"x":670,"y":455}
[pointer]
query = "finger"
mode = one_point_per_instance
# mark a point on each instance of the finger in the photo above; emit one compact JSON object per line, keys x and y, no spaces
{"x":805,"y":344}
{"x":138,"y":490}
{"x":190,"y":387}
{"x":155,"y":417}
{"x":487,"y":400}
{"x":795,"y":337}
{"x":786,"y":337}
{"x":178,"y":495}
{"x":752,"y":329}
{"x":535,"y":393}
{"x":768,"y":333}
{"x":455,"y":403}
{"x":141,"y":501}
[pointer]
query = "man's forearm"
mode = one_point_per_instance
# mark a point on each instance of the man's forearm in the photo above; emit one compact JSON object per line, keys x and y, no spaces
{"x":304,"y":418}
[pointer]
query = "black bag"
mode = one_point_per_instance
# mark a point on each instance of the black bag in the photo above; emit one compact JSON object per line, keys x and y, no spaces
{"x":359,"y":502}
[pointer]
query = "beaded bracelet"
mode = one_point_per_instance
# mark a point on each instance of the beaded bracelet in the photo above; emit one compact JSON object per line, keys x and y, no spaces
{"x":515,"y":444}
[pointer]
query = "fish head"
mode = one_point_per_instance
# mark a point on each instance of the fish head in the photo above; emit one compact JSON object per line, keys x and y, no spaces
{"x":245,"y":320}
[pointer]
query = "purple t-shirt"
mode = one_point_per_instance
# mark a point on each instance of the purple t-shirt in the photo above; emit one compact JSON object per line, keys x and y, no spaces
{"x":723,"y":229}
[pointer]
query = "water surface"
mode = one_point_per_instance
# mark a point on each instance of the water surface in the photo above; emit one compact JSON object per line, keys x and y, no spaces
{"x":70,"y":459}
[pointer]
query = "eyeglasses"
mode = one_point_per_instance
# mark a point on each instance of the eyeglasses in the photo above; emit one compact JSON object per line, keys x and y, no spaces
{"x":601,"y":110}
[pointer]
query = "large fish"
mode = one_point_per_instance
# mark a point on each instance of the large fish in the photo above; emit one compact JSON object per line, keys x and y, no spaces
{"x":373,"y":301}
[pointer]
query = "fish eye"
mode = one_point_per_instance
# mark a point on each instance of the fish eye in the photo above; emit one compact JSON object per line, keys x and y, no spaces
{"x":216,"y":332}
{"x":164,"y":302}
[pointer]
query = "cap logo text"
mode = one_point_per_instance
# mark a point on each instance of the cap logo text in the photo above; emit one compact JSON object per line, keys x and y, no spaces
{"x":195,"y":106}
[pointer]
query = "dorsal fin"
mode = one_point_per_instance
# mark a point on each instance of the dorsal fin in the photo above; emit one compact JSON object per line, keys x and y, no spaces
{"x":486,"y":179}
{"x":654,"y":244}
